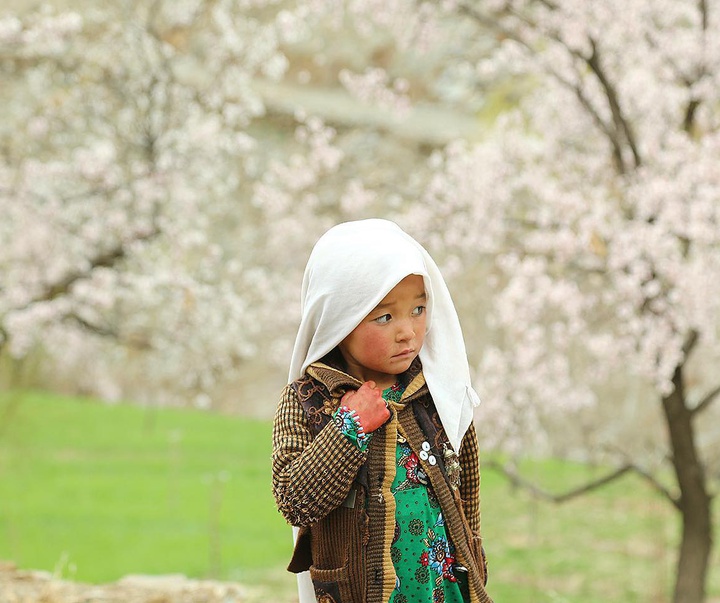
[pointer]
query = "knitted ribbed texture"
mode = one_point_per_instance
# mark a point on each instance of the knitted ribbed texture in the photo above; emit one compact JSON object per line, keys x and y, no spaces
{"x":381,"y":511}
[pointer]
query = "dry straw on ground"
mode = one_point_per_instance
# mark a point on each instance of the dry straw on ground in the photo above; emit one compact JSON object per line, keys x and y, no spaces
{"x":19,"y":586}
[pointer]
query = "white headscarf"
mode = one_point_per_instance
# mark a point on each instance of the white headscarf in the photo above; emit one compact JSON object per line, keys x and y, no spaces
{"x":352,"y":267}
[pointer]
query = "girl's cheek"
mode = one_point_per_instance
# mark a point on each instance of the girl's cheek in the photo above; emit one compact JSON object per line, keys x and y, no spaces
{"x":378,"y":342}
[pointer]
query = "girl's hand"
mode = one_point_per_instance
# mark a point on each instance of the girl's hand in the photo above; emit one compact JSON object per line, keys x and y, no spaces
{"x":368,"y":404}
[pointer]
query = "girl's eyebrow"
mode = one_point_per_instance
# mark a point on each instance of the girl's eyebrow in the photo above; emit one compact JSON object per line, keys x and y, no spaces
{"x":420,"y":296}
{"x":382,"y":305}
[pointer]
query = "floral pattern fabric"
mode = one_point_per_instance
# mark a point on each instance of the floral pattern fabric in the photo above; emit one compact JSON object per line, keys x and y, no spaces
{"x":348,"y":423}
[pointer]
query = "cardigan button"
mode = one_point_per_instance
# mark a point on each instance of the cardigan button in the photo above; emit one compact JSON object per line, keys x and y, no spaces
{"x":432,"y":460}
{"x":423,"y":455}
{"x":425,"y":446}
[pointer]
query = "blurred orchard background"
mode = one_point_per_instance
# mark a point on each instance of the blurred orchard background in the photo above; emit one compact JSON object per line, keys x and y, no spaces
{"x":166,"y":166}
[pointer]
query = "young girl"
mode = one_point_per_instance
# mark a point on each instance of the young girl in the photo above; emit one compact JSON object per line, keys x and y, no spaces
{"x":375,"y":457}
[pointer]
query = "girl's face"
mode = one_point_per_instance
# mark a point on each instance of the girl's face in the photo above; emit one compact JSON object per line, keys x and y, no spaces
{"x":388,"y":339}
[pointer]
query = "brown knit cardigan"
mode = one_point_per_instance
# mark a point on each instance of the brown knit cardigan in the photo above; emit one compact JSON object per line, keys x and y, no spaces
{"x":340,"y":497}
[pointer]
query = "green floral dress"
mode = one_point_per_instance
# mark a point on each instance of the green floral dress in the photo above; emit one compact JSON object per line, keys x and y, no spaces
{"x":421,"y":551}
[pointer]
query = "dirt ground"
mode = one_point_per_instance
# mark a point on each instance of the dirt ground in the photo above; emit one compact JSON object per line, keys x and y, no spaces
{"x":21,"y":586}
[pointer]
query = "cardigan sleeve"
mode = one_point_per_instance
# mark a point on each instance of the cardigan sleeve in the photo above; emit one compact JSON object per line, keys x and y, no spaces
{"x":310,"y":476}
{"x":470,"y":493}
{"x":470,"y":478}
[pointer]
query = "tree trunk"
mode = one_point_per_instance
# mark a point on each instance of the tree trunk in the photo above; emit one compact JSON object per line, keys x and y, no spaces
{"x":694,"y":503}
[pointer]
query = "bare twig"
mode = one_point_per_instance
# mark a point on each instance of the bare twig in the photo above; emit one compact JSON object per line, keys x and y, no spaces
{"x":707,"y":400}
{"x":4,"y":337}
{"x":596,"y":118}
{"x":690,"y":342}
{"x":657,"y":486}
{"x":93,"y":328}
{"x":538,"y":492}
{"x":621,"y":123}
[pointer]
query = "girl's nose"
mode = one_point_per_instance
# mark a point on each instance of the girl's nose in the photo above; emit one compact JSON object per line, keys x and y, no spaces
{"x":405,"y":331}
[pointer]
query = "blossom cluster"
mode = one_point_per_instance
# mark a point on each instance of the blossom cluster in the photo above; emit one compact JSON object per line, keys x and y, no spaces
{"x":124,"y":248}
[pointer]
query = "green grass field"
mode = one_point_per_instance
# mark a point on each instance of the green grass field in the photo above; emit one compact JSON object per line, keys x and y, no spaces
{"x":95,"y":492}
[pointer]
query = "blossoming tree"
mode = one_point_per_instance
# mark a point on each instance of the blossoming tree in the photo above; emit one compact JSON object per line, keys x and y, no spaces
{"x":604,"y":191}
{"x":126,"y":146}
{"x":596,"y":199}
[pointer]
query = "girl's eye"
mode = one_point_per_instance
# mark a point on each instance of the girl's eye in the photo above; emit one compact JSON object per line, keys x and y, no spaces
{"x":384,"y":319}
{"x":419,"y":311}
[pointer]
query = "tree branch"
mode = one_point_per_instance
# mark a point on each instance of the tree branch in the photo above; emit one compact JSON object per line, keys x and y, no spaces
{"x":709,"y":398}
{"x":689,"y":121}
{"x":657,"y":486}
{"x":621,"y":123}
{"x":136,"y":342}
{"x":703,"y":8}
{"x":595,"y":116}
{"x":93,"y":328}
{"x":4,"y":338}
{"x":690,"y":342}
{"x":622,"y":126}
{"x":538,"y":492}
{"x":518,"y":480}
{"x":622,"y":130}
{"x":107,"y":259}
{"x":686,"y":79}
